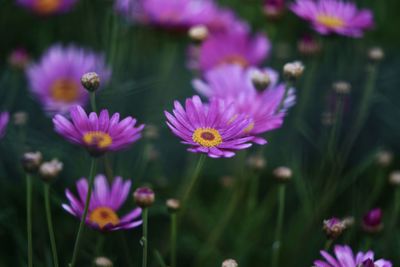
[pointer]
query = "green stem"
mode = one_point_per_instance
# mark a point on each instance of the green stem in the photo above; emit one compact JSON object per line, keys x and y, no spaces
{"x":328,"y":244}
{"x":29,"y":218}
{"x":93,"y":167}
{"x":144,"y":237}
{"x":174,"y":230}
{"x":99,"y":247}
{"x":93,"y":101}
{"x":50,"y":224}
{"x":279,"y":223}
{"x":337,"y":124}
{"x":253,"y":192}
{"x":108,"y":168}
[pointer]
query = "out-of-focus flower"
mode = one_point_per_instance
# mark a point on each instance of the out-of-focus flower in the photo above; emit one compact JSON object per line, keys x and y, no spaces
{"x":234,"y":84}
{"x":376,"y":54}
{"x":384,"y":158}
{"x":308,"y":45}
{"x":198,"y":33}
{"x":151,"y":131}
{"x":90,"y":81}
{"x":260,"y":79}
{"x":394,"y":178}
{"x":293,"y":70}
{"x":227,"y":181}
{"x":257,"y":162}
{"x":31,"y":161}
{"x":344,"y":257}
{"x":56,"y":79}
{"x":334,"y":16}
{"x":98,"y":134}
{"x":173,"y":205}
{"x":333,"y":227}
{"x":342,"y":87}
{"x":103,"y":262}
{"x":327,"y":118}
{"x":4,"y":118}
{"x":348,"y":221}
{"x":20,"y":118}
{"x":237,"y":47}
{"x":104,"y":204}
{"x":372,"y":221}
{"x":283,"y":174}
{"x":214,"y":129}
{"x":19,"y":58}
{"x":47,"y":7}
{"x":274,"y":9}
{"x":230,"y":263}
{"x":50,"y":170}
{"x":225,"y":20}
{"x":144,"y":197}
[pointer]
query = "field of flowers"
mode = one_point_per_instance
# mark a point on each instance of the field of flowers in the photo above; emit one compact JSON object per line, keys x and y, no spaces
{"x":193,"y":133}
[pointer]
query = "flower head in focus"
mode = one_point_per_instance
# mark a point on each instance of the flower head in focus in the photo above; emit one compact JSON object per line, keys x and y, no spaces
{"x":56,"y":79}
{"x":334,"y":16}
{"x":98,"y":133}
{"x":104,"y":204}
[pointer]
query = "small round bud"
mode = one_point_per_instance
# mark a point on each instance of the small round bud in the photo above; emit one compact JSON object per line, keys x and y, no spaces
{"x":260,"y":80}
{"x":19,"y":58}
{"x":333,"y":228}
{"x":198,"y":33}
{"x":293,"y":70}
{"x":394,"y":178}
{"x":376,"y":54}
{"x":348,"y":221}
{"x":384,"y":158}
{"x":31,"y":161}
{"x":256,"y":162}
{"x":342,"y":87}
{"x":274,"y":9}
{"x":227,"y":181}
{"x":173,"y":205}
{"x":50,"y":170}
{"x":144,"y":197}
{"x":283,"y":174}
{"x":372,"y":221}
{"x":20,"y":118}
{"x":308,"y":46}
{"x":230,"y":263}
{"x":91,"y":81}
{"x":151,"y":132}
{"x":103,"y":262}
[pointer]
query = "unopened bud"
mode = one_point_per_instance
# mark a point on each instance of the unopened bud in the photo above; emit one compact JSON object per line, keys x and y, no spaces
{"x":144,"y":197}
{"x":283,"y":174}
{"x":151,"y":132}
{"x":91,"y":81}
{"x":333,"y":228}
{"x":230,"y":263}
{"x":20,"y":118}
{"x":293,"y":70}
{"x":342,"y":87}
{"x":260,"y":80}
{"x":227,"y":181}
{"x":394,"y":178}
{"x":50,"y":170}
{"x":19,"y":58}
{"x":348,"y":221}
{"x":308,"y":46}
{"x":274,"y":9}
{"x":376,"y":54}
{"x":256,"y":162}
{"x":173,"y":205}
{"x":31,"y":161}
{"x":372,"y":221}
{"x":384,"y":158}
{"x":103,"y":262}
{"x":198,"y":33}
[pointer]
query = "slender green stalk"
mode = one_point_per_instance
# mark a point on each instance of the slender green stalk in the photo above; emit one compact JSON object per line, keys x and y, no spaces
{"x":279,"y":224}
{"x":337,"y":124}
{"x":144,"y":240}
{"x":159,"y":258}
{"x":99,"y":247}
{"x":50,"y":224}
{"x":174,"y":230}
{"x":253,"y":191}
{"x":108,"y":168}
{"x":328,"y":244}
{"x":93,"y":167}
{"x":29,"y":218}
{"x":93,"y":101}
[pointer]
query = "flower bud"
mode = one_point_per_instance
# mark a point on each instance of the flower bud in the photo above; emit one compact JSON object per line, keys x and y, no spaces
{"x":20,"y":118}
{"x":327,"y":118}
{"x":50,"y":170}
{"x":342,"y":87}
{"x":227,"y":181}
{"x":274,"y":9}
{"x":229,"y":263}
{"x":173,"y":205}
{"x":283,"y":174}
{"x":256,"y":162}
{"x":144,"y":197}
{"x":308,"y":46}
{"x":198,"y":33}
{"x":333,"y":228}
{"x":348,"y":221}
{"x":394,"y":178}
{"x":293,"y":70}
{"x":384,"y":158}
{"x":151,"y":132}
{"x":103,"y":262}
{"x":19,"y":58}
{"x":31,"y":161}
{"x":91,"y":81}
{"x":260,"y":80}
{"x":372,"y":221}
{"x":376,"y":54}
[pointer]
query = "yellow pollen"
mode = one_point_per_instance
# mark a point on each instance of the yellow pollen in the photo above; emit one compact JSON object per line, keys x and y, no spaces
{"x":46,"y":6}
{"x":103,"y":216}
{"x":249,"y":128}
{"x":65,"y":90}
{"x":98,"y":139}
{"x":330,"y":21}
{"x":234,"y":59}
{"x":208,"y":137}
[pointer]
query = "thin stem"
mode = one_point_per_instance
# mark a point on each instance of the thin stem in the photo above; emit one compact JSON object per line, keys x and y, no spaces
{"x":159,"y":258}
{"x":144,"y":240}
{"x":93,"y":167}
{"x":29,"y":218}
{"x":174,"y":230}
{"x":328,"y":244}
{"x":253,"y":192}
{"x":108,"y":168}
{"x":93,"y":101}
{"x":279,"y":223}
{"x":50,"y":224}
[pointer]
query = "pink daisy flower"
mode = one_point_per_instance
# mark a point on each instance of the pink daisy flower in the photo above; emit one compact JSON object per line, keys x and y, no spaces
{"x":214,"y":129}
{"x":4,"y":117}
{"x":98,"y":134}
{"x":104,"y":204}
{"x":47,"y":7}
{"x":334,"y":16}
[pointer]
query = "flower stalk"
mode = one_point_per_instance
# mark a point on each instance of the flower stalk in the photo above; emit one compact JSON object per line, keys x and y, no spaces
{"x":50,"y":224}
{"x":29,"y":218}
{"x":279,"y":224}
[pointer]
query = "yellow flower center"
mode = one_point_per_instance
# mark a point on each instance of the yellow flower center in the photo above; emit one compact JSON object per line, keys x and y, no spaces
{"x":46,"y":6}
{"x":65,"y":90}
{"x":98,"y":139}
{"x":208,"y":137}
{"x":103,"y":216}
{"x":249,"y":128}
{"x":330,"y":21}
{"x":234,"y":59}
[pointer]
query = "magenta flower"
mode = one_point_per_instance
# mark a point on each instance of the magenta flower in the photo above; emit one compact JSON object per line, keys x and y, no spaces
{"x":214,"y":129}
{"x":345,"y":258}
{"x":234,"y":84}
{"x":236,"y":47}
{"x":372,"y":220}
{"x":47,"y":7}
{"x":104,"y":204}
{"x":98,"y":134}
{"x":4,"y":117}
{"x":225,"y":20}
{"x":56,"y":79}
{"x":334,"y":16}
